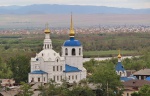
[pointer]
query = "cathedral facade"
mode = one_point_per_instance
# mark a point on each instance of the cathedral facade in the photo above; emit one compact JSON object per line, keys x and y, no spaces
{"x":49,"y":65}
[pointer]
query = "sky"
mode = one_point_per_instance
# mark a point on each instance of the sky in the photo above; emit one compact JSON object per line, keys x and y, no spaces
{"x":135,"y":4}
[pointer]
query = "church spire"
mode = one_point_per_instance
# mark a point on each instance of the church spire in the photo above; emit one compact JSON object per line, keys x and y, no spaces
{"x":72,"y":33}
{"x":119,"y":56}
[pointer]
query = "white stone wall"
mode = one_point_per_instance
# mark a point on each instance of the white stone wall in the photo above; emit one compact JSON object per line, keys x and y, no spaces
{"x":43,"y":77}
{"x":73,"y":76}
{"x":83,"y":73}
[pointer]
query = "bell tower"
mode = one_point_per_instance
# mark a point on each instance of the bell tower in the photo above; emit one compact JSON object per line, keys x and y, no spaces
{"x":47,"y":40}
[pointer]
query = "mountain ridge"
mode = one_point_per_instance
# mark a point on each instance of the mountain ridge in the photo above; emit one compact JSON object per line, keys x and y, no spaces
{"x":65,"y":9}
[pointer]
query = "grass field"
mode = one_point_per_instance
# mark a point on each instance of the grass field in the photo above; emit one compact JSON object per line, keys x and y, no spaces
{"x":109,"y":53}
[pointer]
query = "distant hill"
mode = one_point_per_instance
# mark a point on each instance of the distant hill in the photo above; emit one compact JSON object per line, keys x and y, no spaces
{"x":65,"y":9}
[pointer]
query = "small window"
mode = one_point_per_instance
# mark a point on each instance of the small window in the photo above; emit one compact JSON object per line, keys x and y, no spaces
{"x":42,"y":54}
{"x":76,"y":77}
{"x":69,"y":78}
{"x":48,"y":46}
{"x":44,"y":78}
{"x":66,"y":51}
{"x":72,"y":77}
{"x":57,"y":68}
{"x":54,"y":78}
{"x":61,"y":77}
{"x":79,"y":51}
{"x":37,"y":59}
{"x":57,"y":78}
{"x":53,"y":68}
{"x":32,"y":80}
{"x":57,"y":60}
{"x":38,"y":79}
{"x":60,"y":68}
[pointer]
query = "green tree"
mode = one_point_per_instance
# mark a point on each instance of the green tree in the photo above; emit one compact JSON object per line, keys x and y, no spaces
{"x":135,"y":94}
{"x":144,"y":90}
{"x":107,"y":80}
{"x":81,"y":91}
{"x":43,"y":90}
{"x":5,"y":71}
{"x":20,"y":67}
{"x":64,"y":89}
{"x":25,"y":90}
{"x":90,"y":65}
{"x":50,"y":89}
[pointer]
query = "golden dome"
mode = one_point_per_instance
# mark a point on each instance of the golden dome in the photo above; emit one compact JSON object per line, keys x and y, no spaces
{"x":47,"y":29}
{"x":119,"y":56}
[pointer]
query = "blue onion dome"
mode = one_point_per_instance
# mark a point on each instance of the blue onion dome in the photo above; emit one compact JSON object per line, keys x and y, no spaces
{"x":72,"y":42}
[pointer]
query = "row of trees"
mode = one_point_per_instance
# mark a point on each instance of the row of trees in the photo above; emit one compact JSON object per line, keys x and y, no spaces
{"x":54,"y":89}
{"x":103,"y":41}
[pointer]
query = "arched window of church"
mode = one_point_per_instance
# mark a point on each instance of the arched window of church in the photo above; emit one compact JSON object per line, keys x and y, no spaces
{"x":73,"y":51}
{"x":38,"y":79}
{"x":60,"y":68}
{"x":57,"y":60}
{"x":57,"y":78}
{"x":45,"y":46}
{"x":69,"y":78}
{"x":79,"y":51}
{"x":53,"y":68}
{"x":57,"y":68}
{"x":120,"y":73}
{"x":66,"y":51}
{"x":48,"y":46}
{"x":76,"y":77}
{"x":54,"y":78}
{"x":32,"y":80}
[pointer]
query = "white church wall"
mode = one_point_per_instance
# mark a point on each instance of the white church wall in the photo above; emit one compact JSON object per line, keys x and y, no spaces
{"x":73,"y":76}
{"x":37,"y":78}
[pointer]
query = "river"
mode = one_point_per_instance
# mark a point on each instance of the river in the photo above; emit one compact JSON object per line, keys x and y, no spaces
{"x":104,"y":58}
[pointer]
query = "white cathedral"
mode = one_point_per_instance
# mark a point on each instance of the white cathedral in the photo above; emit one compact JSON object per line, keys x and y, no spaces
{"x":48,"y":64}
